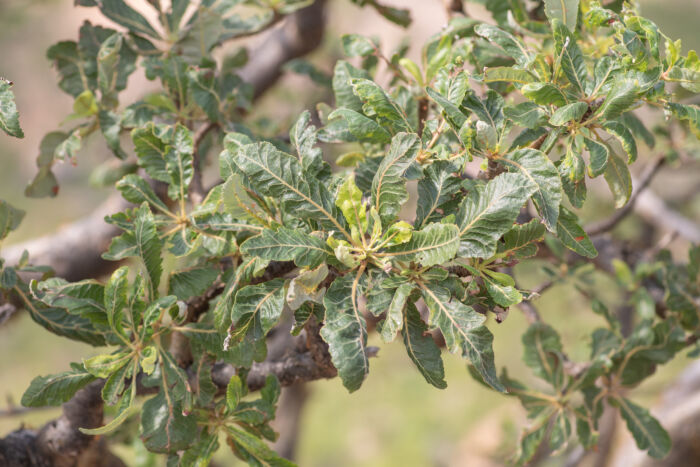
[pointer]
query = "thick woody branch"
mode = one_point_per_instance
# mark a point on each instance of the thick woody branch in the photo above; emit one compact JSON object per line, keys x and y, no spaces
{"x":301,"y":33}
{"x":75,"y":250}
{"x":60,"y":443}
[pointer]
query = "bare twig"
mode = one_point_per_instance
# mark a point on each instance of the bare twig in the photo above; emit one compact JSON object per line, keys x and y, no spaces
{"x":608,"y":224}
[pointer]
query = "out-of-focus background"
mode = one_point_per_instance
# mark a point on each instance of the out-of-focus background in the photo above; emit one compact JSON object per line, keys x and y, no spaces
{"x":396,"y":419}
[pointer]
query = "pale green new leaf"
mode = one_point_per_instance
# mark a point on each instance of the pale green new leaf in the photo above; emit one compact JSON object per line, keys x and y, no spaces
{"x":345,"y":330}
{"x":464,"y":331}
{"x":488,"y":213}
{"x":349,"y":201}
{"x":544,"y":94}
{"x":508,"y":75}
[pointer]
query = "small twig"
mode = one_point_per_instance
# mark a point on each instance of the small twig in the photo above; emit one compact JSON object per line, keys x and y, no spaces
{"x":197,"y":192}
{"x":646,"y":178}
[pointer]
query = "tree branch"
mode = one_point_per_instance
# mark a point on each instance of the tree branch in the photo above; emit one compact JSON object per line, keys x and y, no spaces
{"x":644,"y":181}
{"x":59,"y":442}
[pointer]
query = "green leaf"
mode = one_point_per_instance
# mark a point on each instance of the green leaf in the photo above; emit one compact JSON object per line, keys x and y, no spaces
{"x":600,"y":154}
{"x":543,"y":353}
{"x":568,"y":113}
{"x":56,"y":389}
{"x":253,"y":450}
{"x":572,"y":235}
{"x":355,"y":45}
{"x":345,"y":97}
{"x":572,"y":170}
{"x":502,"y":294}
{"x":111,"y":127}
{"x":61,"y":323}
{"x":434,"y":244}
{"x":520,"y":240}
{"x":107,"y":68}
{"x":436,"y":188}
{"x":136,"y":190}
{"x":192,"y":282}
{"x":256,"y":310}
{"x":526,"y":114}
{"x":624,"y":135}
{"x":121,"y":13}
{"x":164,"y":426}
{"x":345,"y":330}
{"x":544,"y":94}
{"x":389,"y":184}
{"x":489,"y":212}
{"x":377,"y":103}
{"x":463,"y":330}
{"x":279,"y":175}
{"x":393,"y":322}
{"x":572,"y":63}
{"x":508,"y":42}
{"x":565,"y":11}
{"x":543,"y":175}
{"x":689,"y":113}
{"x":10,"y":218}
{"x":620,"y":98}
{"x":142,"y":242}
{"x":179,"y":162}
{"x":455,"y":116}
{"x":507,"y":74}
{"x":619,"y":180}
{"x":646,"y":430}
{"x":363,"y":128}
{"x":422,"y":349}
{"x":9,"y":117}
{"x":288,"y":245}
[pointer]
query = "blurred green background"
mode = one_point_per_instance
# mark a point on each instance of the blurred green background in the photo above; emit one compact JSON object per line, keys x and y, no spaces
{"x":396,"y":419}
